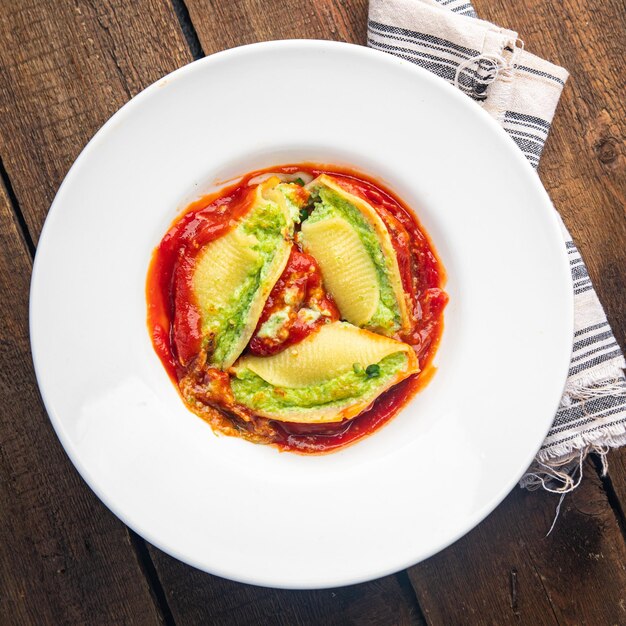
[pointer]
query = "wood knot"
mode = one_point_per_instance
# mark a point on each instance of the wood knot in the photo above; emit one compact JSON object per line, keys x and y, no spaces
{"x":606,"y":150}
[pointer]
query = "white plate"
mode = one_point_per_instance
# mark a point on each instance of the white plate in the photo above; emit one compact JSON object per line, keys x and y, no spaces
{"x":245,"y":511}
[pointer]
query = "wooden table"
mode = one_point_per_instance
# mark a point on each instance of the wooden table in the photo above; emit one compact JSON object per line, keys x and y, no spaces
{"x":66,"y":66}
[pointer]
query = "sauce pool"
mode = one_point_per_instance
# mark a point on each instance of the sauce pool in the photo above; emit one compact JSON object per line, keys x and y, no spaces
{"x":176,"y":337}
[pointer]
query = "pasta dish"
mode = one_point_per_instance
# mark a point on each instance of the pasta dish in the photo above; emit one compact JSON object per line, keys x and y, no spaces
{"x":300,"y":306}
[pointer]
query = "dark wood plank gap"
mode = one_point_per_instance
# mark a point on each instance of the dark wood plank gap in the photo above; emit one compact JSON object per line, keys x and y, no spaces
{"x":616,"y":483}
{"x":199,"y":598}
{"x":405,"y":584}
{"x":140,"y":546}
{"x":64,"y":557}
{"x":186,"y":25}
{"x":68,"y":67}
{"x":507,"y":570}
{"x":612,"y":496}
{"x":17,"y":211}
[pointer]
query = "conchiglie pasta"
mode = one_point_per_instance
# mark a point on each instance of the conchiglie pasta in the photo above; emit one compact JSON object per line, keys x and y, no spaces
{"x":234,"y":274}
{"x":331,"y":376}
{"x":388,"y":313}
{"x":335,"y":349}
{"x":348,"y":270}
{"x":288,"y":304}
{"x":222,"y":268}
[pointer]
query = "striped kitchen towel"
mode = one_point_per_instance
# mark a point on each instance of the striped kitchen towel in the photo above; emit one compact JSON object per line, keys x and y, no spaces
{"x":521,"y":91}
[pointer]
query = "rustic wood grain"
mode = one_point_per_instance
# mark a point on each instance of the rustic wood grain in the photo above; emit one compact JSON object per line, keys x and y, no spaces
{"x":69,"y":67}
{"x":222,"y":25}
{"x":66,"y":68}
{"x":64,"y":559}
{"x":507,"y":571}
{"x":198,"y":598}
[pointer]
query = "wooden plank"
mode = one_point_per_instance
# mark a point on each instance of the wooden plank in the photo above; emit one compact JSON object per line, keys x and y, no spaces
{"x":198,"y":598}
{"x":67,"y":67}
{"x":615,"y":484}
{"x":222,"y":25}
{"x":64,"y":557}
{"x":506,"y":571}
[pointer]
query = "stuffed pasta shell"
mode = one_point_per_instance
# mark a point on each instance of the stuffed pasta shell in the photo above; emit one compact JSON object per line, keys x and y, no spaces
{"x":297,"y":307}
{"x":351,"y":243}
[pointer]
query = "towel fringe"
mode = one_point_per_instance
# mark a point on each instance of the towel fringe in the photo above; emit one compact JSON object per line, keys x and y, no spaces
{"x":561,"y":470}
{"x":606,"y":381}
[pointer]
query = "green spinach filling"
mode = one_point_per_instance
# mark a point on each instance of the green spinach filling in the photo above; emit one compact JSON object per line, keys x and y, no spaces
{"x":254,"y":392}
{"x":328,"y":203}
{"x":267,"y":223}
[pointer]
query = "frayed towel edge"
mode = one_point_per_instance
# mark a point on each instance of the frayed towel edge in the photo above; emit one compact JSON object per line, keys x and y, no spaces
{"x":556,"y":470}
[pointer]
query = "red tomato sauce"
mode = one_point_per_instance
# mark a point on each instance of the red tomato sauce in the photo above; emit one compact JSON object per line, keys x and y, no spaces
{"x":176,"y":338}
{"x":299,"y":287}
{"x":174,"y":320}
{"x":422,"y":274}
